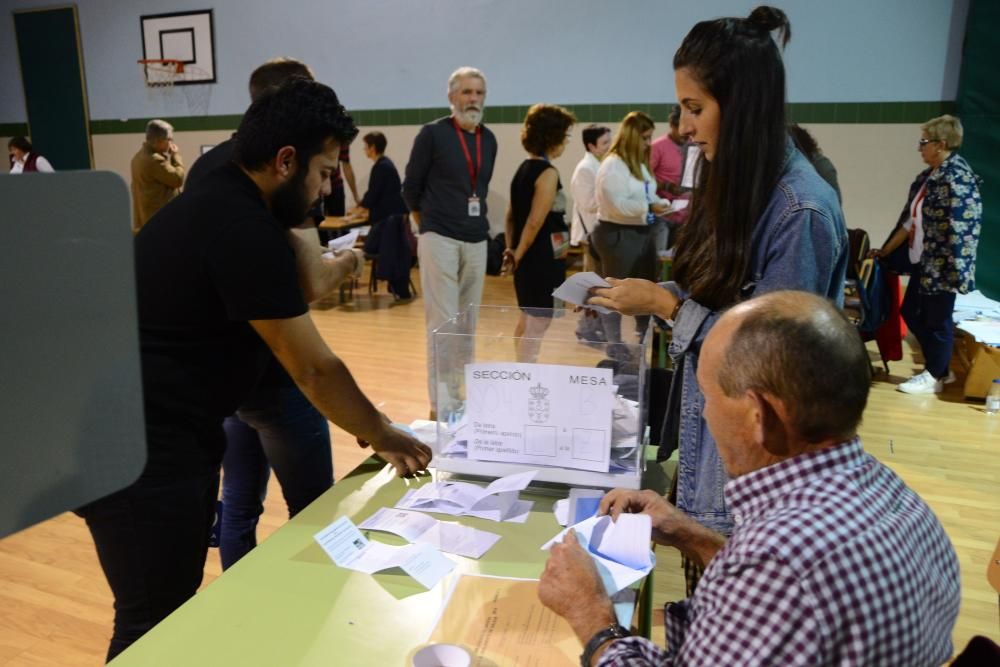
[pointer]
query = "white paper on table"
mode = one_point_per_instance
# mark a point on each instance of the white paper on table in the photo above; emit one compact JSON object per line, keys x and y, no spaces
{"x":344,"y":242}
{"x":460,"y":540}
{"x":452,"y":538}
{"x":540,"y":414}
{"x":576,"y":290}
{"x":408,"y":525}
{"x":516,"y":513}
{"x":498,"y":501}
{"x":561,"y":510}
{"x":986,"y":332}
{"x":349,"y":549}
{"x":620,"y":552}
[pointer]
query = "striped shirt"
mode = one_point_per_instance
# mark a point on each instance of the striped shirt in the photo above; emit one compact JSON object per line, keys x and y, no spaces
{"x":833,"y":561}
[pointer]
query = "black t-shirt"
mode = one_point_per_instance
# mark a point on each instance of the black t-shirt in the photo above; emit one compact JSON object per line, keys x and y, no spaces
{"x":206,"y":263}
{"x":219,"y":156}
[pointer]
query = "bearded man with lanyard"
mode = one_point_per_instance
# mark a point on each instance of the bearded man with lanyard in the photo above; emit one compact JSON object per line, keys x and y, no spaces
{"x":445,"y":187}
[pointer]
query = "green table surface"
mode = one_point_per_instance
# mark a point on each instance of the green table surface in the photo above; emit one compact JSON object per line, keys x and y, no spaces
{"x":286,"y":603}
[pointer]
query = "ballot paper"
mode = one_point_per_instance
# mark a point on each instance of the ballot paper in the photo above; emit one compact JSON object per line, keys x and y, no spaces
{"x":497,"y":502}
{"x":692,"y":167}
{"x":583,"y":504}
{"x":451,"y":538}
{"x":349,"y":549}
{"x":344,"y":242}
{"x":679,"y":205}
{"x":620,"y":549}
{"x":576,"y":290}
{"x":625,"y":423}
{"x":541,"y":414}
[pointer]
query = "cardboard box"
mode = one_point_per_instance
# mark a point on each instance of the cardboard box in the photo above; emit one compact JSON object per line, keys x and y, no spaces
{"x":983,"y":363}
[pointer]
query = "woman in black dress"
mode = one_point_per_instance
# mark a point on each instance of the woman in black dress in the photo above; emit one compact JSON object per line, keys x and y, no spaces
{"x":537,"y":236}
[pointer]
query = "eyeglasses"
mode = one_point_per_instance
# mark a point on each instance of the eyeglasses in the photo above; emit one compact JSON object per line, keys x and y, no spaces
{"x":924,"y":142}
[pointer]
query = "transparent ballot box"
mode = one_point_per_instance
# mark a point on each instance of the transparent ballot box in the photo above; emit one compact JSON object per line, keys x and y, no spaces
{"x":572,"y":409}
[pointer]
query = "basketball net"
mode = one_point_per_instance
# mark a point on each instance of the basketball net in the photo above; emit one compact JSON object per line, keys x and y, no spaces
{"x":161,"y":77}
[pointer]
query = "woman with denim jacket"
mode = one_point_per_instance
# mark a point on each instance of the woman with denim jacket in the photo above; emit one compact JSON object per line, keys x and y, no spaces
{"x":940,"y":225}
{"x":762,"y":219}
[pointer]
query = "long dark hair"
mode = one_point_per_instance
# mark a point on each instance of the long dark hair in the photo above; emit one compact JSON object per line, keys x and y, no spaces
{"x":739,"y":64}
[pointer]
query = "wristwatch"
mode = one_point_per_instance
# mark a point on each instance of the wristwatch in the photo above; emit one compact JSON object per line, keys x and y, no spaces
{"x":613,"y":631}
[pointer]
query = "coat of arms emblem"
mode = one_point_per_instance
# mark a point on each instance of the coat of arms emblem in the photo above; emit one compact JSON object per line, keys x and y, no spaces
{"x":538,"y":406}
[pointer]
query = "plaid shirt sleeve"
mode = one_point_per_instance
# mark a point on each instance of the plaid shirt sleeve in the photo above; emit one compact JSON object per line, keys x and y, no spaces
{"x":754,"y":613}
{"x":633,"y":652}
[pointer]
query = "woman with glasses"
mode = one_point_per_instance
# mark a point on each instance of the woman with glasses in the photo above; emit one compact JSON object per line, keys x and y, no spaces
{"x":761,"y":220}
{"x":940,"y":227}
{"x":628,"y":214}
{"x":536,"y":233}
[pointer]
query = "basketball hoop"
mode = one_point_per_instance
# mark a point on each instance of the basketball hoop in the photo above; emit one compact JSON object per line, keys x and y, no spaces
{"x":162,"y":72}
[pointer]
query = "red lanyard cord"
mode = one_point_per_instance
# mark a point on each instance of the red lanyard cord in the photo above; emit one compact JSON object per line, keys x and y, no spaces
{"x":473,"y":168}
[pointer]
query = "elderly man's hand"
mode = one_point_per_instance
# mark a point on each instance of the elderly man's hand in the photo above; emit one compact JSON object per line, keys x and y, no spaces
{"x":671,"y":527}
{"x":571,"y":587}
{"x":634,"y":296}
{"x":669,"y":523}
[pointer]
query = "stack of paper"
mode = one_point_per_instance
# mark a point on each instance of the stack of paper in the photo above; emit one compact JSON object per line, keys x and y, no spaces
{"x":620,"y":549}
{"x":497,"y":502}
{"x":452,"y":538}
{"x":349,"y":549}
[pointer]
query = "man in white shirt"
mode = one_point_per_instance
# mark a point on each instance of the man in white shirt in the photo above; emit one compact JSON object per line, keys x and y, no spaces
{"x":596,"y":140}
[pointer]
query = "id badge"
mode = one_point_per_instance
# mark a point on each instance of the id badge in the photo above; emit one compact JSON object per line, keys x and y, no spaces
{"x":474,"y":211}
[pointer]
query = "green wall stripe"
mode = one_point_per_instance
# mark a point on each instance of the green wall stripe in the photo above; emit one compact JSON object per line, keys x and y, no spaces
{"x":180,"y":123}
{"x":799,"y":112}
{"x":13,"y":130}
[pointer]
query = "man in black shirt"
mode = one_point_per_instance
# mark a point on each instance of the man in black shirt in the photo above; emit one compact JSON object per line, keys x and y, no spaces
{"x":276,"y":427}
{"x":218,"y":292}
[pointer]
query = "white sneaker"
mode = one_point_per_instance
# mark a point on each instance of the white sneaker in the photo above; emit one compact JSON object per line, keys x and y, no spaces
{"x":951,"y":377}
{"x":924,"y":383}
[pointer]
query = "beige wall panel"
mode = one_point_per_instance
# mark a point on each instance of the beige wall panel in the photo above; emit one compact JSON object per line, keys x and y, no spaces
{"x":875,"y":164}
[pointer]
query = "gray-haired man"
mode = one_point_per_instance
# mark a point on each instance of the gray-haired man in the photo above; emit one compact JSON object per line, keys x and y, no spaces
{"x":447,"y":180}
{"x":157,"y":172}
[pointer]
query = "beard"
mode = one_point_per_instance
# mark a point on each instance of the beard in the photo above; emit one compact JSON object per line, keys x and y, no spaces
{"x":470,"y":116}
{"x":290,"y":203}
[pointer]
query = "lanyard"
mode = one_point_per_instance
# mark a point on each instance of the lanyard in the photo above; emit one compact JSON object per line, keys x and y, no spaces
{"x":473,"y":168}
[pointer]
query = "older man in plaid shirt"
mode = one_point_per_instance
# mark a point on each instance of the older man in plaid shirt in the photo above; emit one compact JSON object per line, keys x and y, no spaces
{"x":833,"y":560}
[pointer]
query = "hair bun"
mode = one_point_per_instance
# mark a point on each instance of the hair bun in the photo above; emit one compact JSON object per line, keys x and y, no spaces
{"x":771,"y":19}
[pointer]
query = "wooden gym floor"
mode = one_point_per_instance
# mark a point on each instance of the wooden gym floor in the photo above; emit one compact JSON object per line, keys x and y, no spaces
{"x":55,"y":607}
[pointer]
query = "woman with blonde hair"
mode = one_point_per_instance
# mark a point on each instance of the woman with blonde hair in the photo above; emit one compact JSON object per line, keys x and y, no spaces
{"x":627,"y":211}
{"x":940,"y":224}
{"x":536,"y":226}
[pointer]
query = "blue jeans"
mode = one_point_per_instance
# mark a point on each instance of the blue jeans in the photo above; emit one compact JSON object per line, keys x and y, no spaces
{"x":284,"y":432}
{"x":929,"y":317}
